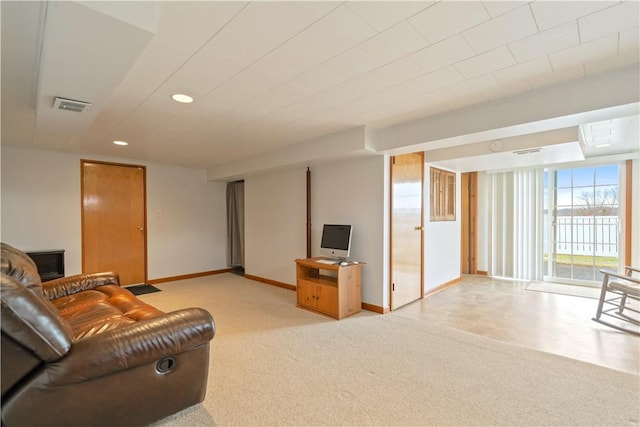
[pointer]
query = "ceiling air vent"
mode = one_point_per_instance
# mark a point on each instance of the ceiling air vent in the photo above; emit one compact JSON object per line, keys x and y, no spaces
{"x":70,"y":105}
{"x":529,"y":151}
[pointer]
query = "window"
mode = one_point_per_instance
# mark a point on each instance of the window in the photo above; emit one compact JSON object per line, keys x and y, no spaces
{"x":443,"y":195}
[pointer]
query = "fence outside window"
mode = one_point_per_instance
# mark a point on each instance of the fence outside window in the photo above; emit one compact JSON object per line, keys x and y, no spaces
{"x":587,"y":235}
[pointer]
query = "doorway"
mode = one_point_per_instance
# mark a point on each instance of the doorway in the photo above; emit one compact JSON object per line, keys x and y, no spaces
{"x":114,"y":220}
{"x":407,"y":229}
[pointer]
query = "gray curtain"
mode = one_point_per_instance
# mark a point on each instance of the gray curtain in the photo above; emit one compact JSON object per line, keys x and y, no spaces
{"x":235,"y":224}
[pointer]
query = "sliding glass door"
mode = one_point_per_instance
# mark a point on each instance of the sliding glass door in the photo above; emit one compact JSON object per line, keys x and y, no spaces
{"x":582,"y":233}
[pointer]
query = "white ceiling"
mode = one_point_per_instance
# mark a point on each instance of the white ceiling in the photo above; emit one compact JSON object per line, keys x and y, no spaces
{"x":268,"y":75}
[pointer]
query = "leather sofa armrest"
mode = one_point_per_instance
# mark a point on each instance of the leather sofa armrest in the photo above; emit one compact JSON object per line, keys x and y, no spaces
{"x":134,"y":345}
{"x":64,"y":286}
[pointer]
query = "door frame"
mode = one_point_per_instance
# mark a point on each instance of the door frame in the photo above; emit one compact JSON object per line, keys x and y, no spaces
{"x":469,"y":222}
{"x":144,"y":204}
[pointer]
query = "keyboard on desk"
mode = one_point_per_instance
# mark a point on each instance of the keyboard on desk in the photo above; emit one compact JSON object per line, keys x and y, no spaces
{"x":327,"y":261}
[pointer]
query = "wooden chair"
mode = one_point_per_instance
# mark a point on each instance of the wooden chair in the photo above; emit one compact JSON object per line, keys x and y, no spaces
{"x":620,"y":300}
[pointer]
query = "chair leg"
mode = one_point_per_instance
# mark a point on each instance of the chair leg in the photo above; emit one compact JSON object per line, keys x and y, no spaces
{"x":623,"y":301}
{"x":603,"y":294}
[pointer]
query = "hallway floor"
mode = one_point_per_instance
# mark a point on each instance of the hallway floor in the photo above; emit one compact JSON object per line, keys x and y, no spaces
{"x":504,"y":310}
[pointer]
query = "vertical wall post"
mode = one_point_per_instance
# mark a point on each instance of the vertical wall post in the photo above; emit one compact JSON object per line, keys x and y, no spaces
{"x":308,"y":213}
{"x":628,"y":211}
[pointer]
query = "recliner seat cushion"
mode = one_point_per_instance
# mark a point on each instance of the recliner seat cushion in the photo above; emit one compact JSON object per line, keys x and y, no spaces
{"x":108,"y":307}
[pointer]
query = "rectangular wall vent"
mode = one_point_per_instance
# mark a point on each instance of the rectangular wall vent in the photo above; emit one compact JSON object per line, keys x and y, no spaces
{"x":70,"y":105}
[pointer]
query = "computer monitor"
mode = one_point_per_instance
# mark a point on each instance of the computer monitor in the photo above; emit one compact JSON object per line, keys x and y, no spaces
{"x":336,"y":240}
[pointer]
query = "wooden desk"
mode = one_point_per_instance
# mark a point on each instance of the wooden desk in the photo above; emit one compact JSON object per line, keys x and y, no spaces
{"x":329,"y":289}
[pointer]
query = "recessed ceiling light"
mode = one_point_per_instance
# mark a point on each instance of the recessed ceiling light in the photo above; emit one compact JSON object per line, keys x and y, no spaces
{"x":179,"y":97}
{"x":120,"y":142}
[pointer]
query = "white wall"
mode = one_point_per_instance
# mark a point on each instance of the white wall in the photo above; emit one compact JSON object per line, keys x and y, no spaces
{"x":186,"y":221}
{"x":41,"y":202}
{"x":275,"y":224}
{"x":441,"y":242}
{"x":356,"y":192}
{"x":349,"y":191}
{"x":186,"y":215}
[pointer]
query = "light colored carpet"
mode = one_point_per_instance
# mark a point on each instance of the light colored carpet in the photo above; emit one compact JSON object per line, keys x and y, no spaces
{"x":559,"y":288}
{"x":274,"y":364}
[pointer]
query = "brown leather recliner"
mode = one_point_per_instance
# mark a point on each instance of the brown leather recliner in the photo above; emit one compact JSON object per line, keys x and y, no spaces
{"x":83,"y":351}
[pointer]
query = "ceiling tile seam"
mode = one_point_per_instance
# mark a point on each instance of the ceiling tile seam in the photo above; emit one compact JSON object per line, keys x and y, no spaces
{"x":451,"y":64}
{"x":214,"y":117}
{"x":508,"y":46}
{"x":391,"y":104}
{"x":358,"y":117}
{"x":200,"y":48}
{"x":535,"y":20}
{"x":462,"y":33}
{"x":152,"y":93}
{"x":353,"y":12}
{"x":579,"y":33}
{"x":578,"y":19}
{"x":489,"y":19}
{"x":484,"y":6}
{"x":406,"y":19}
{"x":586,"y":43}
{"x":42,"y":22}
{"x":611,"y":5}
{"x":417,"y":64}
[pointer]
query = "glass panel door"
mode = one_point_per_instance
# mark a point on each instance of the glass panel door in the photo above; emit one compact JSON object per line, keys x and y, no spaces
{"x":581,"y":224}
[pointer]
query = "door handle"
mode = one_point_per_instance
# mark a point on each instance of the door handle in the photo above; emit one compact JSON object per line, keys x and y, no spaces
{"x":418,"y":228}
{"x":140,"y":228}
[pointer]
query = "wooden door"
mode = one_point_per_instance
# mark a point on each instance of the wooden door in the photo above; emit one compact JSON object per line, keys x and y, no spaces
{"x":113,"y":220}
{"x":407,"y":172}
